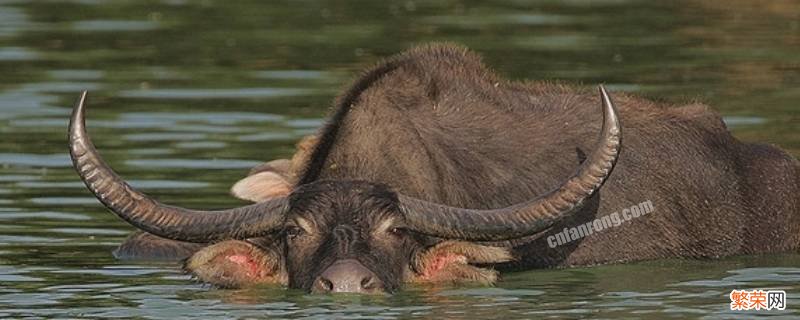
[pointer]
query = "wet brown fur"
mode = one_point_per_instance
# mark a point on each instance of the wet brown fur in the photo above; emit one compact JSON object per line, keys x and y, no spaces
{"x":144,"y":246}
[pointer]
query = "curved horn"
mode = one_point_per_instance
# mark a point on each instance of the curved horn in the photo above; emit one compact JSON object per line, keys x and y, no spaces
{"x":529,"y":217}
{"x":162,"y":220}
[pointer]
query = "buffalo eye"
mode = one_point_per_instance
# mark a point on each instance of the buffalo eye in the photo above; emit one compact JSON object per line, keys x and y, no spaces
{"x":398,"y":231}
{"x":293,"y":231}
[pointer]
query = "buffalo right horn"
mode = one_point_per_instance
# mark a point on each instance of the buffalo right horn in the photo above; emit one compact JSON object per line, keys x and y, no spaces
{"x":529,"y":217}
{"x":162,"y":220}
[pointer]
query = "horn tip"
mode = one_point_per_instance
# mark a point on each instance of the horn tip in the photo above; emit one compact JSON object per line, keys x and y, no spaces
{"x":604,"y":94}
{"x":81,"y":102}
{"x":609,"y":109}
{"x":77,"y":127}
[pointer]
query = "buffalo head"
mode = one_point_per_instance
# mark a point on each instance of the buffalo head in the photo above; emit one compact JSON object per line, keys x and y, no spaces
{"x":351,"y":236}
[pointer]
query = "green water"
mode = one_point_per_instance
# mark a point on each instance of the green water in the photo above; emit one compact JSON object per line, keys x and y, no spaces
{"x":188,"y":95}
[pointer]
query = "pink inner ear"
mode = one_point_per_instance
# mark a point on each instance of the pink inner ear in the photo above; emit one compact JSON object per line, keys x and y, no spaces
{"x":241,"y":262}
{"x":246,"y":262}
{"x":439,"y":263}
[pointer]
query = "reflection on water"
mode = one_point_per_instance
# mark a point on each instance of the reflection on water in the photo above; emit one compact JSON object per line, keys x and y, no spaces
{"x":188,"y":95}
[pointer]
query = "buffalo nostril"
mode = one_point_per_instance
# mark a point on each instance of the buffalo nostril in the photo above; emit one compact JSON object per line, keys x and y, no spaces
{"x":368,"y":283}
{"x":324,"y":285}
{"x":347,"y":275}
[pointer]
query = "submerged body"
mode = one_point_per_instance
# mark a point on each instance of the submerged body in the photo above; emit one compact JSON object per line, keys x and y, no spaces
{"x":434,"y":127}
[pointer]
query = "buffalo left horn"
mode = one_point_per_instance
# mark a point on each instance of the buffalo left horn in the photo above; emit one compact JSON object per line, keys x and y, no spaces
{"x":159,"y":219}
{"x":529,"y":217}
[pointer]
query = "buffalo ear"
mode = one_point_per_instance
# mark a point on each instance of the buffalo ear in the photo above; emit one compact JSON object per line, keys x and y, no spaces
{"x":236,"y":264}
{"x":453,"y":262}
{"x":276,"y":178}
{"x":265,"y":182}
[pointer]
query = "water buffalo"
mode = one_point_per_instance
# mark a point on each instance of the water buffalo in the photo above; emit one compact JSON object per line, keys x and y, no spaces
{"x":433,"y":169}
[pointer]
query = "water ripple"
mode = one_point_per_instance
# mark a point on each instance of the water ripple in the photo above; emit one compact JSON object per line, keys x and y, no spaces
{"x":114,"y":25}
{"x":18,"y":54}
{"x":243,"y":93}
{"x":192,"y":163}
{"x":37,"y":215}
{"x":58,"y":160}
